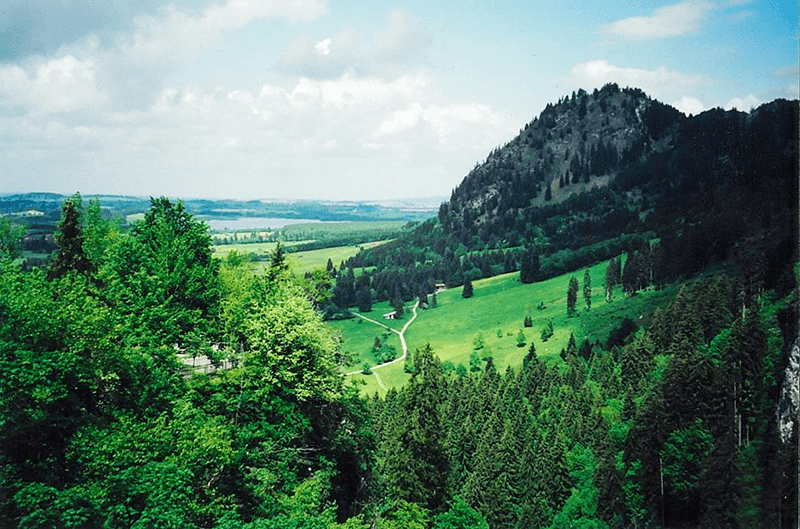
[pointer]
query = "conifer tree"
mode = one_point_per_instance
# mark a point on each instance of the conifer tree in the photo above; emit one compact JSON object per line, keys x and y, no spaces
{"x":399,"y":311}
{"x":630,"y":273}
{"x":467,"y":292}
{"x":572,"y":296}
{"x":587,"y":289}
{"x":413,"y":459}
{"x":612,"y":278}
{"x":529,"y":268}
{"x":69,"y":237}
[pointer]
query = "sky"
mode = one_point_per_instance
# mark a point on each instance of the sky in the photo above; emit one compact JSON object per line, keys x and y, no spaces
{"x":343,"y":100}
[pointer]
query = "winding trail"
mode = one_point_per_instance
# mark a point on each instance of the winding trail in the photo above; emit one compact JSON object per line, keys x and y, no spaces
{"x":399,"y":333}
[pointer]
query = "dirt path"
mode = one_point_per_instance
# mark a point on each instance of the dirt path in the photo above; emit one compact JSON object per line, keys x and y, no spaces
{"x":399,"y":333}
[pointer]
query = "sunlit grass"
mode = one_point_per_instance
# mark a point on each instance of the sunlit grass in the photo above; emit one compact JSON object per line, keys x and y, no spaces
{"x":497,"y":311}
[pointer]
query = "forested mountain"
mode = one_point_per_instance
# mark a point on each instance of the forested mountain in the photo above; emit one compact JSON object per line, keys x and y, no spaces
{"x":602,"y":173}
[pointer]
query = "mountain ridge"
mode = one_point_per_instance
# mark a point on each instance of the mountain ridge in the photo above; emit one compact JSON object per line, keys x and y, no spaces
{"x":603,"y":173}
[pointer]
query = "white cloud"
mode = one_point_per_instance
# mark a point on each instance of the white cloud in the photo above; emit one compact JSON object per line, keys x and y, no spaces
{"x":401,"y":45}
{"x":323,"y":46}
{"x":746,"y":103}
{"x":787,"y":72}
{"x":407,"y":39}
{"x":295,"y":141}
{"x":689,"y":105}
{"x":51,"y":86}
{"x":401,"y":120}
{"x":670,"y":21}
{"x":328,"y":58}
{"x":661,"y":83}
{"x":449,"y":120}
{"x":172,"y":31}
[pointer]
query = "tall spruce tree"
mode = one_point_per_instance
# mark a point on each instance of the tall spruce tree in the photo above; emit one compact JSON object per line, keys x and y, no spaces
{"x":529,"y":267}
{"x":467,"y":292}
{"x":612,"y":278}
{"x":69,"y":237}
{"x":412,"y":455}
{"x":587,"y":289}
{"x":572,"y":296}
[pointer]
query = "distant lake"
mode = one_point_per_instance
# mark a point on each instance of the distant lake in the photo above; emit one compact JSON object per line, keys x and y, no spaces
{"x":253,"y":223}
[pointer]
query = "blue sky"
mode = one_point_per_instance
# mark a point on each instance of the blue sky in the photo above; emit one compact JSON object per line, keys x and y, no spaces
{"x":343,"y":100}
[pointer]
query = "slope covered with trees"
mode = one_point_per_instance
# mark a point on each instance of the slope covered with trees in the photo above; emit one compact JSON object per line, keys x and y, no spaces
{"x":634,"y":171}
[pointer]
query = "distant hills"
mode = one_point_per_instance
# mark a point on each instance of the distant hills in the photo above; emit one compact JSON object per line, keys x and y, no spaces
{"x":48,"y":205}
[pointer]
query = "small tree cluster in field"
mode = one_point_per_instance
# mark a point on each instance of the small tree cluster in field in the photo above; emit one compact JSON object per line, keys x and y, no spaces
{"x":408,"y":365}
{"x":547,"y":332}
{"x":382,"y":351}
{"x":527,"y":322}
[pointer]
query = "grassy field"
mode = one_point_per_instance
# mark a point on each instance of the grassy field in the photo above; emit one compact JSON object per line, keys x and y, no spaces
{"x":316,"y":231}
{"x":259,"y":248}
{"x":328,"y":230}
{"x":496,"y":312}
{"x":300,"y":262}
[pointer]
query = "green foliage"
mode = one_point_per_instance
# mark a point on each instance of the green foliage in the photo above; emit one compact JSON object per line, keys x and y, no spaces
{"x":467,"y":291}
{"x":163,"y":278}
{"x":580,"y":509}
{"x":572,"y":296}
{"x":459,"y":515}
{"x":404,"y":515}
{"x":70,"y":239}
{"x":548,"y":331}
{"x":10,"y":236}
{"x":684,"y":455}
{"x":587,"y":289}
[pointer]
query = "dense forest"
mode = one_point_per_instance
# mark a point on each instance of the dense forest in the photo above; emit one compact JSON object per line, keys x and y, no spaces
{"x":690,"y":422}
{"x":673,"y":426}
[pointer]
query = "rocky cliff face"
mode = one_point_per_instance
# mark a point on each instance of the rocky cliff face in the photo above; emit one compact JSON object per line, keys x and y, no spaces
{"x":576,"y":144}
{"x":789,"y":403}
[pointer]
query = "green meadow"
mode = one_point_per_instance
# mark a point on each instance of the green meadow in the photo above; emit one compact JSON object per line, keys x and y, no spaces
{"x":300,"y":262}
{"x":494,"y":316}
{"x":376,"y":229}
{"x":261,"y":249}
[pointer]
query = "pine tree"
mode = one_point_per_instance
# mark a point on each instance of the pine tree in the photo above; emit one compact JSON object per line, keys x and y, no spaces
{"x":364,"y":298}
{"x":467,"y":292}
{"x":529,"y":268}
{"x":278,"y":259}
{"x":531,"y":356}
{"x":630,"y":273}
{"x":398,"y":308}
{"x":572,"y":346}
{"x":548,"y":193}
{"x":413,"y":458}
{"x":69,"y":237}
{"x":572,"y":296}
{"x":587,"y":289}
{"x":612,"y":278}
